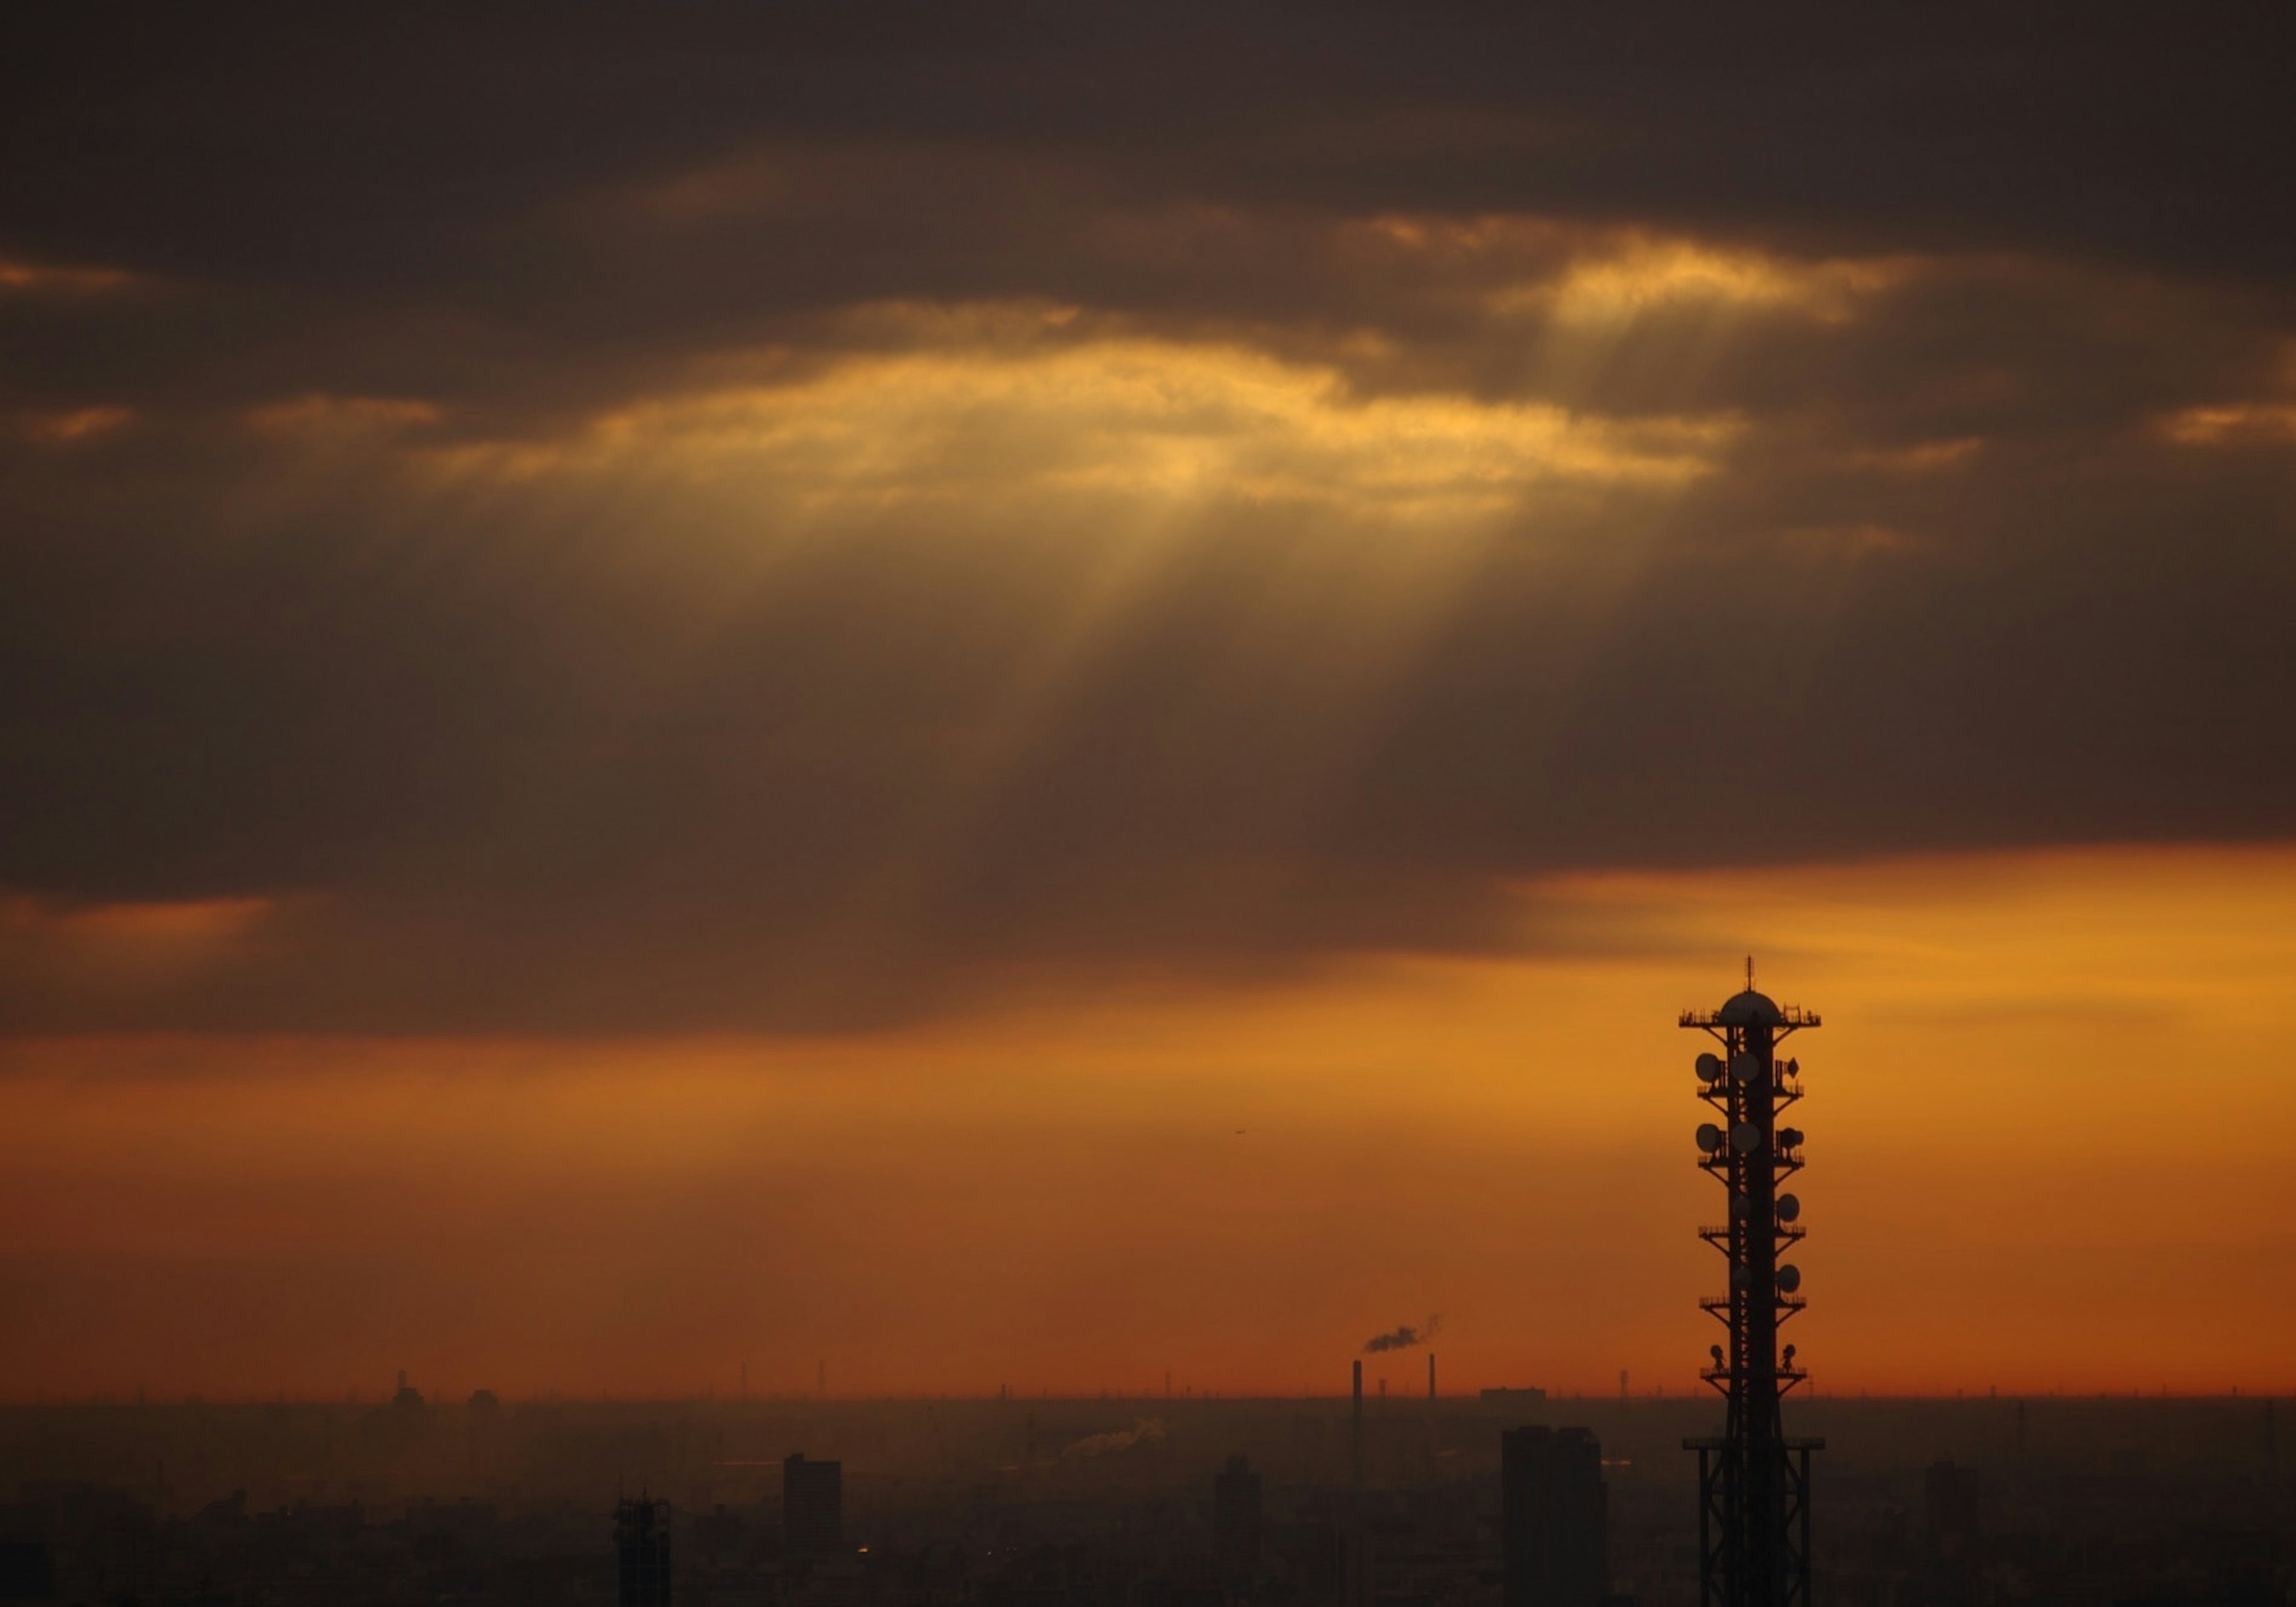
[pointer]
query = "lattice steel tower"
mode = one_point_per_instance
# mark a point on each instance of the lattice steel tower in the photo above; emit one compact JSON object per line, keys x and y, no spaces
{"x":1753,"y":1482}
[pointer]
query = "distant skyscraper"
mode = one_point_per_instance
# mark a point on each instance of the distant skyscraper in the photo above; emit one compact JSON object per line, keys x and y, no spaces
{"x":1235,"y":1518}
{"x":1950,"y":1494}
{"x":642,"y":1553}
{"x":1553,"y":1518}
{"x":813,"y":1506}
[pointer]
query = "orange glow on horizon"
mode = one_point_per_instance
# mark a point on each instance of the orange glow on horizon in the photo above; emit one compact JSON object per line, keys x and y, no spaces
{"x":2046,"y":1144}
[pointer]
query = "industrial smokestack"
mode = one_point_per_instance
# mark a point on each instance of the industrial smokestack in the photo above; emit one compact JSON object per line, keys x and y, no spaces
{"x":1431,"y":1377}
{"x":1354,"y":1442}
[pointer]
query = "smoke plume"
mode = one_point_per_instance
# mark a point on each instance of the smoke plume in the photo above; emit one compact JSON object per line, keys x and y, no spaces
{"x":1404,"y":1337}
{"x":1144,"y":1430}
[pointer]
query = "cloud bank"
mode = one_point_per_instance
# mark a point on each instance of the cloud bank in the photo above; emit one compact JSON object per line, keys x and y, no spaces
{"x":722,"y":519}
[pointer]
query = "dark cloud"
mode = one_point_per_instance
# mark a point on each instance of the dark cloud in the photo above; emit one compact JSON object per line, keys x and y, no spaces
{"x":781,"y":735}
{"x":371,"y":146}
{"x":469,"y":190}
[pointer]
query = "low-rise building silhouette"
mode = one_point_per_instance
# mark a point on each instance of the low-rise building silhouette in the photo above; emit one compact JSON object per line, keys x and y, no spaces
{"x":1554,"y":1519}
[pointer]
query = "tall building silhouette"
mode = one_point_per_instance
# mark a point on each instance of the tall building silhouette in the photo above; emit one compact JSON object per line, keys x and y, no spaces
{"x":1554,"y":1519}
{"x":1950,"y":1497}
{"x":1235,"y":1518}
{"x":813,"y":1506}
{"x":642,"y":1553}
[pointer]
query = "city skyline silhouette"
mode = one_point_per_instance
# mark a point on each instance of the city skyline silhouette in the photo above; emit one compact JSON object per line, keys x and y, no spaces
{"x":796,"y":793}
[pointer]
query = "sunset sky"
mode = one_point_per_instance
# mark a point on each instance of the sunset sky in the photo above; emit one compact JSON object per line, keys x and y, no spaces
{"x":1014,"y":698}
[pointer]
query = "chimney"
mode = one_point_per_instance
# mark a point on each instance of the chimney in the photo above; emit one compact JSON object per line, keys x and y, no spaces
{"x":1431,"y":1377}
{"x":1354,"y":1442}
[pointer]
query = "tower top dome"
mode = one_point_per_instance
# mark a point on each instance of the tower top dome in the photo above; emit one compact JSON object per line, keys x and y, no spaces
{"x":1750,"y":1009}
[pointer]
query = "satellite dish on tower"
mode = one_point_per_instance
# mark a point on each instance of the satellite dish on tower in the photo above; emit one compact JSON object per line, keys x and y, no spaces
{"x":1709,"y":1068}
{"x":1745,"y":1138}
{"x":1789,"y":1208}
{"x":1743,"y":1066}
{"x":1789,"y":1278}
{"x":1710,"y":1136}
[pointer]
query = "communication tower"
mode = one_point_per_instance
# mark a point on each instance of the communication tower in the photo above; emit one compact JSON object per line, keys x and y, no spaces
{"x":1753,"y":1482}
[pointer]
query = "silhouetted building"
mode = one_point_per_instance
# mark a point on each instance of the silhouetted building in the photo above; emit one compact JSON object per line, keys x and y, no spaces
{"x":99,"y":1542}
{"x":1553,"y":1518}
{"x":1509,"y":1397}
{"x":28,"y":1570}
{"x":1235,"y":1518}
{"x":642,"y":1553}
{"x":408,"y":1398}
{"x":1950,"y":1494}
{"x":813,"y":1506}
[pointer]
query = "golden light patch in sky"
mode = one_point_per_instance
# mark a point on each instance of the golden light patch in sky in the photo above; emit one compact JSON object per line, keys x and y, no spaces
{"x":342,"y":417}
{"x":2047,"y":1121}
{"x":17,"y":274}
{"x":73,"y":425}
{"x":1645,"y":274}
{"x":188,"y":920}
{"x":2231,"y":423}
{"x":1134,"y":419}
{"x":1928,"y":457}
{"x":82,"y":945}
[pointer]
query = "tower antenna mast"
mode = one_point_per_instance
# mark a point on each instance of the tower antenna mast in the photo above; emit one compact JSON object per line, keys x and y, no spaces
{"x":1753,"y":1482}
